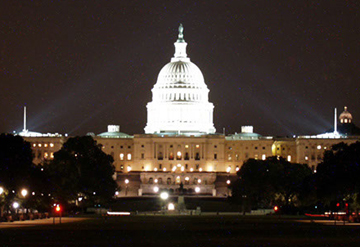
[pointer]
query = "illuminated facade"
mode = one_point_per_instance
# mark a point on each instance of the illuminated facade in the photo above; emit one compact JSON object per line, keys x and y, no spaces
{"x":180,"y":145}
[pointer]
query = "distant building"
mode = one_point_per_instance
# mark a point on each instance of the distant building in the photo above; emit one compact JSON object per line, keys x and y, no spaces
{"x":180,"y":145}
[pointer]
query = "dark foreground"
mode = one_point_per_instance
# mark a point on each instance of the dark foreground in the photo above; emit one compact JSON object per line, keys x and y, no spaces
{"x":183,"y":231}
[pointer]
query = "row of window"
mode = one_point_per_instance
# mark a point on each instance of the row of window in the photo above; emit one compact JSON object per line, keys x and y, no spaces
{"x":169,"y":181}
{"x":43,"y":145}
{"x":45,"y":155}
{"x":230,"y":148}
{"x":178,"y":156}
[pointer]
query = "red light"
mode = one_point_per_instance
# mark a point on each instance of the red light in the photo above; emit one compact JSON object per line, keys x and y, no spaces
{"x":337,"y":204}
{"x":58,"y":208}
{"x":276,"y":208}
{"x":346,"y":204}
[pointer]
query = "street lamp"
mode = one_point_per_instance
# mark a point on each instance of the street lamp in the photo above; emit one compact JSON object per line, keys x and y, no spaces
{"x":15,"y":205}
{"x":24,"y":192}
{"x":126,"y":186}
{"x":1,"y":190}
{"x":156,"y":189}
{"x":164,"y":196}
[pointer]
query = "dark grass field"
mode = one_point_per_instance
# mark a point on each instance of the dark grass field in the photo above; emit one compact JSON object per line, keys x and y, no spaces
{"x":154,"y":204}
{"x":184,"y":231}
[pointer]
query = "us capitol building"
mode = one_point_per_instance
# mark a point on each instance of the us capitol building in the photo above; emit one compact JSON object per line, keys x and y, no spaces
{"x":180,"y":144}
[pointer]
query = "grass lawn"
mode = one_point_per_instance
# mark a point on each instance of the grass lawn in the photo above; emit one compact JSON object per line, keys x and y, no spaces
{"x":184,"y":231}
{"x":133,"y":204}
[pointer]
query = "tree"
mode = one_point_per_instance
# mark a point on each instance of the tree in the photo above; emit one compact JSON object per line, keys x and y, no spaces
{"x":81,"y":169}
{"x":264,"y":182}
{"x":16,"y":167}
{"x":253,"y":186}
{"x":337,"y":177}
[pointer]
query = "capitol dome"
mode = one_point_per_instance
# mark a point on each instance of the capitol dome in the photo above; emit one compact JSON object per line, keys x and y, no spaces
{"x":345,"y":116}
{"x":180,"y":97}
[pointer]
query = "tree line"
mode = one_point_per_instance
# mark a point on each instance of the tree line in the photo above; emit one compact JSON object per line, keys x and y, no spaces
{"x":80,"y":174}
{"x":295,"y":187}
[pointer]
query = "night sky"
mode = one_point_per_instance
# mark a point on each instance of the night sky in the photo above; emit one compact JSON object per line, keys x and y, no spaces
{"x":281,"y":66}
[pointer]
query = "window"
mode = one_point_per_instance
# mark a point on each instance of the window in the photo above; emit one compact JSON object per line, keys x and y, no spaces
{"x":160,"y":181}
{"x":142,"y":156}
{"x":186,"y":146}
{"x":318,"y":147}
{"x":51,"y":155}
{"x":151,"y":180}
{"x":142,"y":146}
{"x":46,"y":155}
{"x":112,"y":146}
{"x":197,"y":156}
{"x":306,"y":158}
{"x":256,"y":147}
{"x":160,"y":156}
{"x":197,"y":167}
{"x":171,"y":146}
{"x":129,"y":147}
{"x":289,"y":158}
{"x":51,"y":145}
{"x":197,"y":146}
{"x":215,"y":146}
{"x":45,"y":145}
{"x":178,"y":155}
{"x":263,"y":157}
{"x":121,"y":156}
{"x":215,"y":156}
{"x":128,"y":156}
{"x":256,"y":156}
{"x":171,"y":156}
{"x":122,"y":167}
{"x":186,"y":156}
{"x":121,"y":146}
{"x":160,"y":166}
{"x":229,"y":156}
{"x":168,"y":181}
{"x":263,"y":147}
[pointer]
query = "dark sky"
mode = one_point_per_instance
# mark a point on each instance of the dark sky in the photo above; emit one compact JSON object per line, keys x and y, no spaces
{"x":281,"y":66}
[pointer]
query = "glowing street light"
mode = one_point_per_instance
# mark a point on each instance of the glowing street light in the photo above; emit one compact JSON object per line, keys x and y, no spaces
{"x":24,"y":192}
{"x":197,"y":189}
{"x":228,"y":181}
{"x":164,"y":195}
{"x":15,"y":205}
{"x":156,"y":189}
{"x":1,"y":190}
{"x":171,"y":206}
{"x":126,"y":186}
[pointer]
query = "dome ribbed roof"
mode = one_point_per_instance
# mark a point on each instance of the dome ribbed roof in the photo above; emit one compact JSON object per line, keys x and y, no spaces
{"x":180,"y":74}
